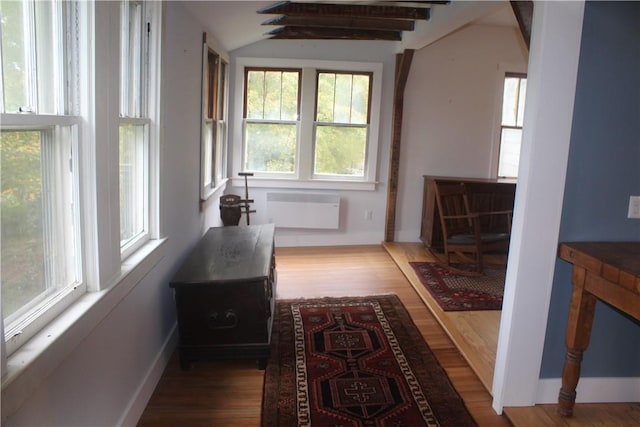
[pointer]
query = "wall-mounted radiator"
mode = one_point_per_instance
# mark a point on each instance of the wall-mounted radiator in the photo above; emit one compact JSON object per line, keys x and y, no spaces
{"x":301,"y":210}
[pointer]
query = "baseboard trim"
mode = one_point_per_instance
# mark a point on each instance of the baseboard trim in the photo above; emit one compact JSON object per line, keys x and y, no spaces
{"x":287,"y":238}
{"x":592,"y":390}
{"x":141,"y":397}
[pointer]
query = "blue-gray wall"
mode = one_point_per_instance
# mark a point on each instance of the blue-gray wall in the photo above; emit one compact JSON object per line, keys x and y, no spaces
{"x":602,"y":172}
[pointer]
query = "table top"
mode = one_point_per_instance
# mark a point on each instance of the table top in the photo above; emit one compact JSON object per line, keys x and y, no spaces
{"x":229,"y":254}
{"x":624,"y":256}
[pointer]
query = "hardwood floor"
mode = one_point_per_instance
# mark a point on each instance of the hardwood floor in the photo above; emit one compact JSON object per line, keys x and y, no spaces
{"x":229,"y":393}
{"x":475,"y":333}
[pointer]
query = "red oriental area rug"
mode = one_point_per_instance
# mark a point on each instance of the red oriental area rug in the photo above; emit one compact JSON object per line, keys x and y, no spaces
{"x":458,"y":292}
{"x":355,"y":362}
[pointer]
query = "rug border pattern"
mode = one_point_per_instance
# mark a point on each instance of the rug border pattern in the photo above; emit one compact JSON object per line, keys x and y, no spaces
{"x":279,"y":404}
{"x":304,"y":417}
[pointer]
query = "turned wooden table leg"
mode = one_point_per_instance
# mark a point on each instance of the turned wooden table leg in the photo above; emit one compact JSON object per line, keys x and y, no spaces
{"x":578,"y":334}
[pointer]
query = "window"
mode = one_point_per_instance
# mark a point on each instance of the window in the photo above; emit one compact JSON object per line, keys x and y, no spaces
{"x":39,"y":139}
{"x":342,"y":124}
{"x":214,"y":118}
{"x":271,"y":119}
{"x":308,"y":124}
{"x":515,"y":89}
{"x":58,"y":241}
{"x":134,"y":128}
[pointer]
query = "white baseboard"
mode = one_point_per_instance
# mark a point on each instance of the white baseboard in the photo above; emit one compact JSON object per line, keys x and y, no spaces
{"x":141,"y":397}
{"x":592,"y":390}
{"x":284,"y":238}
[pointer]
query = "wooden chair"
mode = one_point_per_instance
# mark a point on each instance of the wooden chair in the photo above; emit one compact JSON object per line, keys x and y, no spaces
{"x":469,"y":234}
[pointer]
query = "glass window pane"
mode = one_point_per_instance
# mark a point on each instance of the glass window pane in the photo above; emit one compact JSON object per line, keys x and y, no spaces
{"x":207,"y":154}
{"x":509,"y":152}
{"x":340,"y":150}
{"x":23,"y":241}
{"x":255,"y":95}
{"x":290,"y":82}
{"x":509,"y":101}
{"x":325,"y":97}
{"x":17,"y":56}
{"x":342,"y":98}
{"x":132,"y":182}
{"x":521,"y":98}
{"x":342,"y":107}
{"x":270,"y":147}
{"x":360,"y":99}
{"x":38,"y":239}
{"x":131,"y":45}
{"x":49,"y":55}
{"x":272,"y":95}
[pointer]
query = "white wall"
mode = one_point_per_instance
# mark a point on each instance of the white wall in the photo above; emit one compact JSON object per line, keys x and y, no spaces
{"x":451,"y":122}
{"x":354,"y":229}
{"x":107,"y":378}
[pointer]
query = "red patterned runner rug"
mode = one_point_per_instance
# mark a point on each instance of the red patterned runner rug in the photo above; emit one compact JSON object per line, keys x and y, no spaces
{"x":459,"y":292}
{"x":355,"y":362}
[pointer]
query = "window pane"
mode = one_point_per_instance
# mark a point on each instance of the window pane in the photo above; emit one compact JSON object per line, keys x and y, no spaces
{"x":326,"y":97}
{"x":360,"y":99}
{"x":207,"y":154}
{"x":132,"y":182}
{"x":510,"y":101}
{"x":340,"y":150}
{"x":521,"y":98}
{"x":17,"y":57}
{"x":38,"y":240}
{"x":49,"y":54}
{"x":270,"y":147}
{"x":272,"y":95}
{"x":23,"y":265}
{"x":509,"y":153}
{"x":255,"y":95}
{"x":342,"y":98}
{"x":131,"y":45}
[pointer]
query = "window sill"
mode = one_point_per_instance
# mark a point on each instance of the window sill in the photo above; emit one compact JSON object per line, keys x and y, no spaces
{"x":34,"y":361}
{"x":316,"y":184}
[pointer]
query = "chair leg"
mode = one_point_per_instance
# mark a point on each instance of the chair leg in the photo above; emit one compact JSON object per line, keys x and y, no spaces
{"x":479,"y":266}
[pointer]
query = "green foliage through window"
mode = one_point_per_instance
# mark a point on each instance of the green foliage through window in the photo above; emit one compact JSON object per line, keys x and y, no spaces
{"x":342,"y":117}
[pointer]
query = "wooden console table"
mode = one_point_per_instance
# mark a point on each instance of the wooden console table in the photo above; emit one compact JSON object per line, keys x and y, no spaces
{"x":225,"y":294}
{"x":610,"y":272}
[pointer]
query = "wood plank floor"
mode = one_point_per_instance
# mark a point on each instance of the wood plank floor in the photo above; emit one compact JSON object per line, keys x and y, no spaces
{"x":229,"y":393}
{"x":476,"y":336}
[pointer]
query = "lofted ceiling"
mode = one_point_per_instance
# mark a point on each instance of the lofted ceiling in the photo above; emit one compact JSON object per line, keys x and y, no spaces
{"x":410,"y":25}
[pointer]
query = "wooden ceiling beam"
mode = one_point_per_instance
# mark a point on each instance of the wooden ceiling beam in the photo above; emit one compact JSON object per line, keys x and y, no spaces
{"x":361,"y":10}
{"x":343,"y":22}
{"x":333,"y":34}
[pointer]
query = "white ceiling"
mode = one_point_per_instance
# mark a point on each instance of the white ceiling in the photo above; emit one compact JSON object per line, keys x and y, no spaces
{"x":235,"y":24}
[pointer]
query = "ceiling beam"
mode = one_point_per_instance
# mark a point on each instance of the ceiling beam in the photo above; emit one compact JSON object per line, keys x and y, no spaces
{"x":343,"y":22}
{"x":523,"y":10}
{"x":333,"y":34}
{"x":361,"y":10}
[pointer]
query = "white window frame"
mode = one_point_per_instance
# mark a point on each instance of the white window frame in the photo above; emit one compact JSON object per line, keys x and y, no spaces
{"x":303,"y":176}
{"x":519,"y":105}
{"x":503,"y":69}
{"x":213,"y":152}
{"x":136,"y":82}
{"x":57,"y":103}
